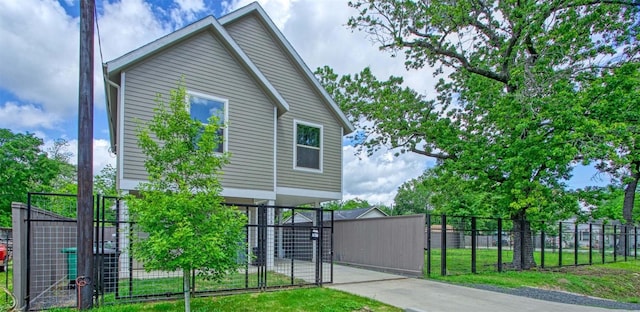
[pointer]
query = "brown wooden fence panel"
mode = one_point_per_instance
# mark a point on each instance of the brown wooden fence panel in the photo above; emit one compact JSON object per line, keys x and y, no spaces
{"x":394,"y":244}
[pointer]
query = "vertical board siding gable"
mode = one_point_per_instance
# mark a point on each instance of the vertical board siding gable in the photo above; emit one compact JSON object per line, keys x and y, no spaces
{"x":209,"y":68}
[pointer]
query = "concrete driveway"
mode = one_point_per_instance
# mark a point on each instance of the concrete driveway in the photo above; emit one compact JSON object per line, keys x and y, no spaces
{"x":424,"y":295}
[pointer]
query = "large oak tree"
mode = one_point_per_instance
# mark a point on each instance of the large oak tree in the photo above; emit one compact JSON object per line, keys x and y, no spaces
{"x":506,"y":118}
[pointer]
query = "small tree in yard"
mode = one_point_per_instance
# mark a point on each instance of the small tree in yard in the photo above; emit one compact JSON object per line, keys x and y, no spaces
{"x":180,"y":207}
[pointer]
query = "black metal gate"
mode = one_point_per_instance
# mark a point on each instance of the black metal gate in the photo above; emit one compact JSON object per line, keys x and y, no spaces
{"x":48,"y":271}
{"x":280,"y":253}
{"x":286,"y":247}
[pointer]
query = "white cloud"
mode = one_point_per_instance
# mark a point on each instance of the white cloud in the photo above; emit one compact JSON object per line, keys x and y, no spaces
{"x":127,"y":25}
{"x":191,"y":5}
{"x":376,"y":178}
{"x":25,"y":117}
{"x":40,"y":49}
{"x":39,"y":58}
{"x":101,"y":154}
{"x":278,"y":10}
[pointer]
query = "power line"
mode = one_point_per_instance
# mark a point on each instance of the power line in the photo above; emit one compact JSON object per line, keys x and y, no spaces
{"x":95,"y":13}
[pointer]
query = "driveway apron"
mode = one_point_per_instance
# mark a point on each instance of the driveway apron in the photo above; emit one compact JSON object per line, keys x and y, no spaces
{"x":414,"y":294}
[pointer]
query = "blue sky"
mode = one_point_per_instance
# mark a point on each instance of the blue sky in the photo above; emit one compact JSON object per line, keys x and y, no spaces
{"x":39,"y":80}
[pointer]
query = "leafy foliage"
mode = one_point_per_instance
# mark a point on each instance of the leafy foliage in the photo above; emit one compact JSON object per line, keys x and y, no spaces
{"x":614,"y":99}
{"x":349,"y":204}
{"x":180,"y":207}
{"x":105,"y":182}
{"x":507,"y":124}
{"x":25,"y":167}
{"x":606,"y":202}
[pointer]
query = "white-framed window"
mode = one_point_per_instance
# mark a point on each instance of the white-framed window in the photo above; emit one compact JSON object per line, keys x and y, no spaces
{"x":202,"y":106}
{"x":307,"y":146}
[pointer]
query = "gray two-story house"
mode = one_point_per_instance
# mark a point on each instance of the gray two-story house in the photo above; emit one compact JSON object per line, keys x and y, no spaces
{"x":283,"y":130}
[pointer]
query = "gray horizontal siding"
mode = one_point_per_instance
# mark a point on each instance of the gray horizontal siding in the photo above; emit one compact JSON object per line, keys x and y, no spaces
{"x":207,"y":68}
{"x":305,"y":105}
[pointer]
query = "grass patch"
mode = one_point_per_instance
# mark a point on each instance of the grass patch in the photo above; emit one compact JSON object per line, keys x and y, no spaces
{"x":459,"y":260}
{"x":6,"y":281}
{"x":618,"y":281}
{"x":173,"y":285}
{"x":302,"y":299}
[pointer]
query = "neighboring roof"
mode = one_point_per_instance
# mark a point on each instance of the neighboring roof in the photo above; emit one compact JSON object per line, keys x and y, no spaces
{"x":337,"y":214}
{"x":260,"y":13}
{"x":354,"y":213}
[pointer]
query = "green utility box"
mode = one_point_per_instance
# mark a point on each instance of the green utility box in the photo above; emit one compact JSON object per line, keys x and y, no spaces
{"x":106,"y":267}
{"x":72,"y":262}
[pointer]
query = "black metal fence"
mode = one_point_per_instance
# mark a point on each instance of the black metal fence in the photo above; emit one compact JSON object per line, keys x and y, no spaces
{"x":279,"y":254}
{"x":462,"y":244}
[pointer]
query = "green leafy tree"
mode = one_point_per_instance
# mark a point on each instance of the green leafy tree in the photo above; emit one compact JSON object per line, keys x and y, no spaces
{"x":105,"y":182}
{"x":505,"y":120}
{"x":66,"y":180}
{"x":412,"y":197}
{"x":180,"y":207}
{"x":24,"y":167}
{"x":348,"y":204}
{"x":440,"y":192}
{"x":606,"y":202}
{"x":615,"y":106}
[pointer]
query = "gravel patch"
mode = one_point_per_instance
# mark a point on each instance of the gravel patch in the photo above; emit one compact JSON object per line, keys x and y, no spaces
{"x":562,"y":297}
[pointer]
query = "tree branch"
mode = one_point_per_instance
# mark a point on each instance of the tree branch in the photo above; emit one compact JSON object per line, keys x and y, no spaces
{"x":451,"y":54}
{"x":430,"y":154}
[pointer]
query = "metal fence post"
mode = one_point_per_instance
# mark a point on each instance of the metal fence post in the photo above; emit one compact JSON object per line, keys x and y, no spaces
{"x":473,"y":244}
{"x":635,"y":242}
{"x":522,"y":238}
{"x":499,"y":244}
{"x":560,"y":245}
{"x":575,"y":243}
{"x":443,"y":245}
{"x":602,"y":240}
{"x":590,"y":243}
{"x":615,"y":243}
{"x":428,"y":244}
{"x":542,"y":242}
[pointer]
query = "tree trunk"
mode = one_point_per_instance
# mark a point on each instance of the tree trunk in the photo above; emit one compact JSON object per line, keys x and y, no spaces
{"x":186,"y":278}
{"x":627,"y":209}
{"x":522,"y":243}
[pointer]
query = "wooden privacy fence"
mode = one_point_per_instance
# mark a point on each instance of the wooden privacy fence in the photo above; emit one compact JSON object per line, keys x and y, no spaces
{"x":393,"y":244}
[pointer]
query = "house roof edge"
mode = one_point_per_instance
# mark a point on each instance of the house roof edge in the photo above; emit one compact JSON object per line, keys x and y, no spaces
{"x":255,"y":7}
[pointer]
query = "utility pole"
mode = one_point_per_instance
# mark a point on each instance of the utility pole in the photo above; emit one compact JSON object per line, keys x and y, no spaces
{"x":85,"y":270}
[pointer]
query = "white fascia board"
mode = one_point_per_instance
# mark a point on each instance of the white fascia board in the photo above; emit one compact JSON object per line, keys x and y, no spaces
{"x":255,"y":7}
{"x":246,"y":193}
{"x":129,"y":185}
{"x":120,"y":131}
{"x":167,"y":40}
{"x":207,"y":22}
{"x":290,"y":191}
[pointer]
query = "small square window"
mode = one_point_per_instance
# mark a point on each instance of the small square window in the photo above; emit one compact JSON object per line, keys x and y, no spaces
{"x":202,"y":107}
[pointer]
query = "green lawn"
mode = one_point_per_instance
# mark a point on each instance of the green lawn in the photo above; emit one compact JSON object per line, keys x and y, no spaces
{"x":618,"y":281}
{"x":6,"y":281}
{"x":173,"y":285}
{"x":301,"y":299}
{"x":459,"y":260}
